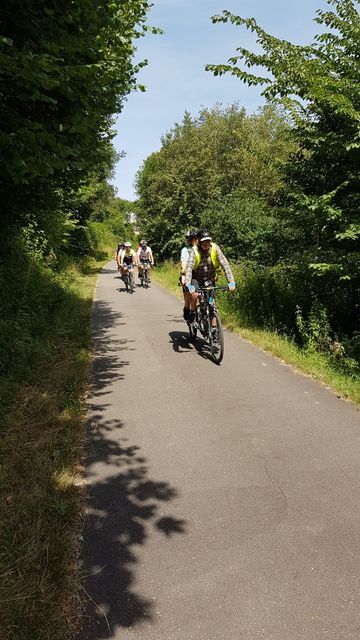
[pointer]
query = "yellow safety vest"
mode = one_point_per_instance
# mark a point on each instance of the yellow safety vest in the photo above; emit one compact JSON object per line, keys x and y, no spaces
{"x":213,"y":256}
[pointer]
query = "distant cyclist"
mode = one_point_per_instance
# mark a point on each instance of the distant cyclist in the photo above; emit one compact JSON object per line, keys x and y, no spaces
{"x":118,"y":250}
{"x":127,"y":258}
{"x":204,"y":265}
{"x":191,"y":240}
{"x":144,"y":254}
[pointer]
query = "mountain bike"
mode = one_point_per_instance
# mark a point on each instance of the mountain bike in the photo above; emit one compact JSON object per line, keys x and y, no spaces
{"x":129,"y":279}
{"x":205,"y":314}
{"x":145,"y":273}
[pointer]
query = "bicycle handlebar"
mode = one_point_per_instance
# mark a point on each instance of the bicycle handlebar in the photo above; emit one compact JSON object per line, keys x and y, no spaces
{"x":223,"y":288}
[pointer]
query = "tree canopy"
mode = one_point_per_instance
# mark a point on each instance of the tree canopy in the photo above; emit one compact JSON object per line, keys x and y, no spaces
{"x":222,"y":154}
{"x":65,"y":69}
{"x":319,"y":85}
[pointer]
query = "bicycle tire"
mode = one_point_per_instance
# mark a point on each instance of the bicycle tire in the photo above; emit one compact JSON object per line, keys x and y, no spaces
{"x":192,"y":331}
{"x":126,"y":281}
{"x":131,"y":282}
{"x":146,"y":282}
{"x":217,"y":346}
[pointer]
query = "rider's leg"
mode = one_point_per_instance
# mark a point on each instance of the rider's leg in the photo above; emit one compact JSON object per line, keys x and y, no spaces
{"x":187,"y":299}
{"x":193,"y":300}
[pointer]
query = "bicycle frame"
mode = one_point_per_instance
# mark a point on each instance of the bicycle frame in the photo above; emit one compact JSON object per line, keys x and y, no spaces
{"x":145,"y":273}
{"x":129,"y":278}
{"x":206,"y":305}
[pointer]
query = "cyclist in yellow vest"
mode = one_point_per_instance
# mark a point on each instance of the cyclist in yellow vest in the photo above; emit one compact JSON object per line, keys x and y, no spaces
{"x":205,"y":263}
{"x":127,"y":258}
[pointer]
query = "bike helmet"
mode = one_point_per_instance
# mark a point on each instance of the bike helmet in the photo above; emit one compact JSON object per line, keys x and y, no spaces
{"x":203,"y":234}
{"x":127,"y":244}
{"x":143,"y":244}
{"x":190,"y":234}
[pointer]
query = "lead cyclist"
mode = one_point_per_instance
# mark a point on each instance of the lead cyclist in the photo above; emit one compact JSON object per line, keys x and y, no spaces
{"x":204,"y":264}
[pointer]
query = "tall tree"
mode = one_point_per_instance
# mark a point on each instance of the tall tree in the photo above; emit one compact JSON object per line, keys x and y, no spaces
{"x":202,"y":161}
{"x":65,"y":68}
{"x":319,"y":84}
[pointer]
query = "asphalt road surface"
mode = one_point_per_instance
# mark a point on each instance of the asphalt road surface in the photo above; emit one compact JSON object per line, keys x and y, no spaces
{"x":224,"y":501}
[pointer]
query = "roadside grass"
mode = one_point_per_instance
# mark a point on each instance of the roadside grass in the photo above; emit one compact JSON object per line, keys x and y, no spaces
{"x":42,"y":387}
{"x":310,"y":362}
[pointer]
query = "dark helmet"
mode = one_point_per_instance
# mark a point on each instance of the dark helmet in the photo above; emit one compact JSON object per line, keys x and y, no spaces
{"x":190,"y":234}
{"x":204,"y":234}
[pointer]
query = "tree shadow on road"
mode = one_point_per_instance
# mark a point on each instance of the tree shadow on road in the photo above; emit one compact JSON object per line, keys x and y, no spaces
{"x":108,"y":351}
{"x":122,"y":508}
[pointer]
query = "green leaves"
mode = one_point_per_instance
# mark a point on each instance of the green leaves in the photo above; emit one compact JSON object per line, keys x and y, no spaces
{"x":318,"y":84}
{"x":65,"y":70}
{"x":203,"y":162}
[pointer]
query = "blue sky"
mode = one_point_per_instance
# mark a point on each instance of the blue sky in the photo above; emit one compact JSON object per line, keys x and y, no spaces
{"x":175,"y":77}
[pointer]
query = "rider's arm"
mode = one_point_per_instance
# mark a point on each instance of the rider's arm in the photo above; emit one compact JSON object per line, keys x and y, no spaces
{"x":189,"y":267}
{"x":151,"y":258}
{"x":184,"y":256}
{"x":183,"y":270}
{"x":225,"y":265}
{"x":121,"y":258}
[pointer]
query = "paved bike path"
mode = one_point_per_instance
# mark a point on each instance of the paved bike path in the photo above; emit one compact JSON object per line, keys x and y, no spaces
{"x":223,"y":501}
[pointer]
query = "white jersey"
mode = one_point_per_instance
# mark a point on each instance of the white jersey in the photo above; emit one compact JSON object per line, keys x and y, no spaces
{"x":144,"y":254}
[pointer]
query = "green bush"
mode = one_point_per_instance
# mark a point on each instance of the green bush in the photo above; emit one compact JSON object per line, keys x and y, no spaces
{"x":81,"y":241}
{"x":291,"y":299}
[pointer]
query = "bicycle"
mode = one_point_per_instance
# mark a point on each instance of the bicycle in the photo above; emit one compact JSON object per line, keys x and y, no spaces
{"x":144,"y":278}
{"x":129,"y":279}
{"x":205,"y":312}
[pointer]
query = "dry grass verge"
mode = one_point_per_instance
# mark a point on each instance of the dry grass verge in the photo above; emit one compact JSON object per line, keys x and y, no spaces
{"x":40,"y":449}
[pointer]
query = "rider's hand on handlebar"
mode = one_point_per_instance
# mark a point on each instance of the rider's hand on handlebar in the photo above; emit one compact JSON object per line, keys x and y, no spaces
{"x":231,"y":286}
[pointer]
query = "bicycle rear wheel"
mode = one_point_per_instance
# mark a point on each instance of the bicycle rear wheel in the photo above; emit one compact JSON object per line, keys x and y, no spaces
{"x":217,"y":341}
{"x":192,"y":331}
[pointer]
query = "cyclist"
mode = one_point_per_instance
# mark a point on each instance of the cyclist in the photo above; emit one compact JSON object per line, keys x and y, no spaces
{"x":144,"y":254}
{"x":204,"y":265}
{"x":191,"y":240}
{"x":118,"y":250}
{"x":127,"y":258}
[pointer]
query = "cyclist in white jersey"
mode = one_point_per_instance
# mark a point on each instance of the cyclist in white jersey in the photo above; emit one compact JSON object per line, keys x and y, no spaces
{"x":191,"y":240}
{"x":144,"y":254}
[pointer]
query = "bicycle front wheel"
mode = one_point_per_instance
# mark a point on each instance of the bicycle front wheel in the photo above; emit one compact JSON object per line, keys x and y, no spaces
{"x":131,"y":282}
{"x":146,"y":280}
{"x":216,"y":339}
